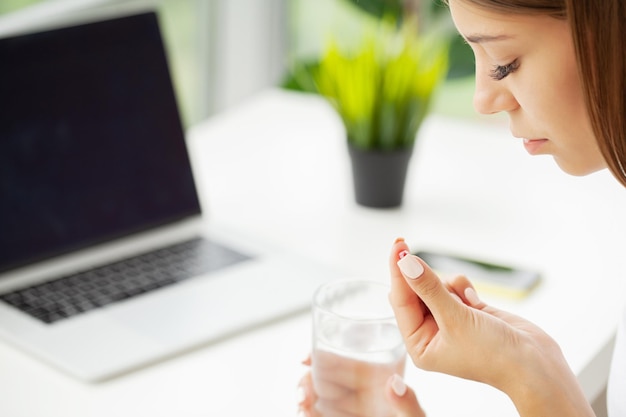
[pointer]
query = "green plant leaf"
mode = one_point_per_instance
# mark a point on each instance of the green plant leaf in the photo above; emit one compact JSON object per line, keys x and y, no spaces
{"x":382,"y":90}
{"x":300,"y":77}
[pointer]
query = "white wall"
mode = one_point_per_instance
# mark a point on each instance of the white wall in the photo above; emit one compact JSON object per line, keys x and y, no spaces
{"x":249,"y":48}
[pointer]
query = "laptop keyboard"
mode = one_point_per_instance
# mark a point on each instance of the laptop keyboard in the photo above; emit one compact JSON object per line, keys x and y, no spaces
{"x":74,"y":294}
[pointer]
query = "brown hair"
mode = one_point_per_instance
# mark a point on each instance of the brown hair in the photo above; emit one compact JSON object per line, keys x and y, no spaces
{"x":597,"y":28}
{"x":597,"y":31}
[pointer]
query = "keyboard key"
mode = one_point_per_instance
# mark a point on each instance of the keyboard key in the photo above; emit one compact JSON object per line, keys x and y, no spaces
{"x":84,"y":291}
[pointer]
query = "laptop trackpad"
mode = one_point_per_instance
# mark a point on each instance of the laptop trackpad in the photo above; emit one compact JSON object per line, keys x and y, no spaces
{"x":207,"y":309}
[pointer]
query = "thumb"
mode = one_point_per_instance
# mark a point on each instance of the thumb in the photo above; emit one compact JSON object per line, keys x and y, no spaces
{"x":402,"y":398}
{"x":428,"y":287}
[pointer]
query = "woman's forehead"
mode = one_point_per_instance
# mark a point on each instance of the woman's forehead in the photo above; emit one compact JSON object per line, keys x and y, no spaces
{"x":477,"y":24}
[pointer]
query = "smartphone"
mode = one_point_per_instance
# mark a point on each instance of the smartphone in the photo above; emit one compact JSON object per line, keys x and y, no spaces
{"x":497,"y":279}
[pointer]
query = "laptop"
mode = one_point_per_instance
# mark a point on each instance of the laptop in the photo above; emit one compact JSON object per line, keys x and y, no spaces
{"x":107,"y":263}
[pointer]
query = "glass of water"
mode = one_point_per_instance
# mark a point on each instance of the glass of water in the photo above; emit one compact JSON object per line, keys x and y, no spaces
{"x":356,"y":347}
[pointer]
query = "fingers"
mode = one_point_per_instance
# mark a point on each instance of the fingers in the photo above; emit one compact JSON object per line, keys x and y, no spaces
{"x":421,"y":302}
{"x":463,"y":288}
{"x":427,"y":285}
{"x":402,"y":398}
{"x":306,"y":394}
{"x":410,"y":311}
{"x":351,"y":386}
{"x":337,"y":373}
{"x":369,"y":391}
{"x":321,"y":399}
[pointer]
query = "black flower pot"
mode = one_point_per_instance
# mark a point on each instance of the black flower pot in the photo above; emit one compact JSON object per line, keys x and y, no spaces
{"x":379,"y":176}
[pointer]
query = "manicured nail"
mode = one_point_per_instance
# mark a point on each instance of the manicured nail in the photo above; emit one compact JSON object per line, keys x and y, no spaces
{"x":411,"y":267}
{"x":398,"y":385}
{"x":472,"y":297}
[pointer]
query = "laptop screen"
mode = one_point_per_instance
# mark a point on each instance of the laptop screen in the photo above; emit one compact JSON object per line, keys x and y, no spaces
{"x":91,"y":142}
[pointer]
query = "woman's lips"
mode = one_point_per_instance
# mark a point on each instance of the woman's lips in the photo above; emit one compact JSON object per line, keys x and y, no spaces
{"x":533,"y":146}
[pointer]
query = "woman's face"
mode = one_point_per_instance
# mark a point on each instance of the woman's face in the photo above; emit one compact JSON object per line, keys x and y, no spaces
{"x":526,"y":66}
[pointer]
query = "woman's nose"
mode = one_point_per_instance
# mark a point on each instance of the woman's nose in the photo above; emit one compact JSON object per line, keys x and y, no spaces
{"x":492,"y":96}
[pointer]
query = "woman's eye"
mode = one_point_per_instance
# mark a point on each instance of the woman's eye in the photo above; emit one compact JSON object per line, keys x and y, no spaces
{"x":501,"y":71}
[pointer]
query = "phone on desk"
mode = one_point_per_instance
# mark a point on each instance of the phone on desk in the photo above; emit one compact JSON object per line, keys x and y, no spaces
{"x":496,"y":279}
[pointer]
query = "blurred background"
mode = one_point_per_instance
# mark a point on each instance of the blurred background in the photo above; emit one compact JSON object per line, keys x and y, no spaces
{"x":222,"y":51}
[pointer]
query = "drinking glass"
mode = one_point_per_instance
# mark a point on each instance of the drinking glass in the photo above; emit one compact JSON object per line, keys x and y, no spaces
{"x":356,"y":348}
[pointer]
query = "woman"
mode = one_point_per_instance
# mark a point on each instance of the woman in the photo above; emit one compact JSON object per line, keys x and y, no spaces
{"x":557,"y":68}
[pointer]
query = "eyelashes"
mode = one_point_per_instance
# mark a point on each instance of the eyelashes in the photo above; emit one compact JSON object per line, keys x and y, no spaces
{"x":500,"y":72}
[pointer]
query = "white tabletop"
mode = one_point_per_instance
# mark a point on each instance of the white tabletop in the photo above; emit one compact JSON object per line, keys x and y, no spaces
{"x":277,"y":168}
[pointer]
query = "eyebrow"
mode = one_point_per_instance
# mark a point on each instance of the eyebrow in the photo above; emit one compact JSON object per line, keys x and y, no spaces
{"x":477,"y":38}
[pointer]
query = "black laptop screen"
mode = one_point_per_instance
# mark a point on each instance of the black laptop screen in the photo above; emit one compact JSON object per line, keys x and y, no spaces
{"x":91,"y":143}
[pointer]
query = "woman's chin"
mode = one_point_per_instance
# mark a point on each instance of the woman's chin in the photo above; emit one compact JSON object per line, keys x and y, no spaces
{"x":578,"y":170}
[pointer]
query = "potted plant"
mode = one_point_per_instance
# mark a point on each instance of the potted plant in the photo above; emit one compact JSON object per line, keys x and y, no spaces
{"x":382,"y":90}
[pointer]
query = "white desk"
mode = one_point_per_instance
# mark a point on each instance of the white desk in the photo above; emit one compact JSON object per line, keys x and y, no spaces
{"x":277,"y":167}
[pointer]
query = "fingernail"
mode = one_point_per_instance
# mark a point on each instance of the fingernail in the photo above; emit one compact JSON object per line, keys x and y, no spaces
{"x":410,"y":267}
{"x":472,"y":297}
{"x":399,"y":239}
{"x":398,"y":385}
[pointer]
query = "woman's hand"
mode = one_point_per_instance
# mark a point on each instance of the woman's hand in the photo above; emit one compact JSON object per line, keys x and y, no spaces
{"x":401,"y":398}
{"x":446,"y":328}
